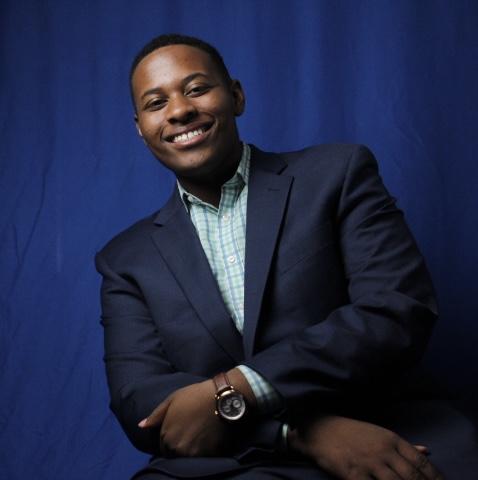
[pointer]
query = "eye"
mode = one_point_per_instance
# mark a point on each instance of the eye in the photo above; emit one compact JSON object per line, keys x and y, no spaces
{"x":197,"y":90}
{"x":155,"y":104}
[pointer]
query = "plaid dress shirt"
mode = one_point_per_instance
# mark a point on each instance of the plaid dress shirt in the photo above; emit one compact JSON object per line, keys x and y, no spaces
{"x":222,"y":232}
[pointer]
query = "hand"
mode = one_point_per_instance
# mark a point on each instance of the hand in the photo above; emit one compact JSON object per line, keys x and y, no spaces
{"x":189,"y":426}
{"x":355,"y":450}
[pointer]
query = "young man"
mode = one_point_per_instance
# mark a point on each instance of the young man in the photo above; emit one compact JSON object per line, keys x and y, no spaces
{"x":274,"y":301}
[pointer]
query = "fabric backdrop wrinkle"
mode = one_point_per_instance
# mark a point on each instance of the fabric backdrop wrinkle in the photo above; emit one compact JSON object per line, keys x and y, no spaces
{"x":400,"y":77}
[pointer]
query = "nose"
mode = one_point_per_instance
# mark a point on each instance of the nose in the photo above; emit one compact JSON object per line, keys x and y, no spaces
{"x":180,"y":109}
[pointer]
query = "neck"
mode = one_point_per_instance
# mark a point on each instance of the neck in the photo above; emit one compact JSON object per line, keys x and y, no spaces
{"x":209,"y":189}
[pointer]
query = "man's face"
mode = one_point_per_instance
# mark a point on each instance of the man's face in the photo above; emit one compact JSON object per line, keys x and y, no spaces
{"x":186,"y":111}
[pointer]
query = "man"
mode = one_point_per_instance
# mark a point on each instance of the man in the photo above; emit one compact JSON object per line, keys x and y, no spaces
{"x":274,"y":307}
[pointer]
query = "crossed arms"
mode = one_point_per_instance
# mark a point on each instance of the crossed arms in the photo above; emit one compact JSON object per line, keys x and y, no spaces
{"x":379,"y":333}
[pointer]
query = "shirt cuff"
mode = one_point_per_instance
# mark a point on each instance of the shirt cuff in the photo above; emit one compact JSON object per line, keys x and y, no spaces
{"x":267,"y":397}
{"x":284,"y":445}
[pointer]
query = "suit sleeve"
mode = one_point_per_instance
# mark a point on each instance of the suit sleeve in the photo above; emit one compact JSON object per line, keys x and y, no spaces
{"x":139,"y":374}
{"x":382,"y":329}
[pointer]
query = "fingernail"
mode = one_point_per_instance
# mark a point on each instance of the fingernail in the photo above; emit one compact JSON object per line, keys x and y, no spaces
{"x":143,"y":423}
{"x":423,"y":448}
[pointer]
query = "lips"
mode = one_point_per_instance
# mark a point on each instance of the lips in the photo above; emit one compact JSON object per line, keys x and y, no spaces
{"x":189,"y":135}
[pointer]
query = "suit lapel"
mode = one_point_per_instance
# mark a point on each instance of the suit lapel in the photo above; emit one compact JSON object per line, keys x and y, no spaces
{"x":181,"y":249}
{"x":267,"y":198}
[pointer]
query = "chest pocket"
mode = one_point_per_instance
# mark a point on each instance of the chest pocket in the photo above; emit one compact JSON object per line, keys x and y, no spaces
{"x":302,"y":245}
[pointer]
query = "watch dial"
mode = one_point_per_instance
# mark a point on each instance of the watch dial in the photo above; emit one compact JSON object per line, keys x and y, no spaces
{"x":232,"y":406}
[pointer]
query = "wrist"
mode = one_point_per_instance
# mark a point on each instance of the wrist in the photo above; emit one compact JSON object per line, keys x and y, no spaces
{"x":240,"y":383}
{"x":231,"y":404}
{"x":296,"y":444}
{"x":292,"y":439}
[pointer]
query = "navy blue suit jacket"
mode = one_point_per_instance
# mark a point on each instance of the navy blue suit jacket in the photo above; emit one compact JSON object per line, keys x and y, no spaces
{"x":338,"y":302}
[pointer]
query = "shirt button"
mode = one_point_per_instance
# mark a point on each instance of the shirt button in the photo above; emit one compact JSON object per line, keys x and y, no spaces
{"x":231,"y":259}
{"x":226,"y":217}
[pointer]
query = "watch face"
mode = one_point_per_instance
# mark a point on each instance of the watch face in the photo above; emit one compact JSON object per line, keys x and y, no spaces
{"x":231,"y":406}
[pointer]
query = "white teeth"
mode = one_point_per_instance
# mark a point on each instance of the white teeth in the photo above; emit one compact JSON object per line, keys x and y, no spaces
{"x":187,"y":136}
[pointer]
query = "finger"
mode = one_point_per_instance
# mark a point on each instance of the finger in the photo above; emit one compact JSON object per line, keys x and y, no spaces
{"x":422,"y":449}
{"x":418,"y":461}
{"x":404,"y":469}
{"x":384,"y":472}
{"x":428,"y":470}
{"x":164,"y":449}
{"x":156,"y":417}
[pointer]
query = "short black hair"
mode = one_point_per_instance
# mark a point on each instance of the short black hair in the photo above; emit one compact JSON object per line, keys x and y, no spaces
{"x":178,"y":39}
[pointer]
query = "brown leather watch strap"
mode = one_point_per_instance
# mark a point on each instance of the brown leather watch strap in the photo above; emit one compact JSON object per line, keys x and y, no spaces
{"x":221,"y":381}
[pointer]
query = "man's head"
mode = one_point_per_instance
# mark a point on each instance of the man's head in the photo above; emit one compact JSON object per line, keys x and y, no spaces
{"x":186,"y":104}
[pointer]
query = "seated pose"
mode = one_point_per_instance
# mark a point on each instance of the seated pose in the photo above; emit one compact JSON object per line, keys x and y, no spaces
{"x":268,"y":320}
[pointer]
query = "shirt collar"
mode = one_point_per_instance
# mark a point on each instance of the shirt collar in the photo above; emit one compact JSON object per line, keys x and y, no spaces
{"x":240,"y":178}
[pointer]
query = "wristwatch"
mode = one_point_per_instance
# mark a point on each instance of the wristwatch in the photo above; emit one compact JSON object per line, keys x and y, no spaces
{"x":230,"y":404}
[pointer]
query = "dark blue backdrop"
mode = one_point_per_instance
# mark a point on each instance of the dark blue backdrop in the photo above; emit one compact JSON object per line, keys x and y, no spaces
{"x":400,"y":76}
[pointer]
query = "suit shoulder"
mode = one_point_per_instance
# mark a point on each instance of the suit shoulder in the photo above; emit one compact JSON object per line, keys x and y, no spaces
{"x":129,"y":237}
{"x":334,"y":153}
{"x":331,"y":160}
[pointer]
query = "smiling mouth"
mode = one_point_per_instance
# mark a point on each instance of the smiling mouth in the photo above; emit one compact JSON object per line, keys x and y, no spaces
{"x":189,"y":135}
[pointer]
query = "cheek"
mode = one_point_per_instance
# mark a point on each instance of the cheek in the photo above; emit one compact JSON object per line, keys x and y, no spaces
{"x":220,"y":106}
{"x":150,"y":135}
{"x":147,"y":132}
{"x":226,"y":119}
{"x":150,"y":124}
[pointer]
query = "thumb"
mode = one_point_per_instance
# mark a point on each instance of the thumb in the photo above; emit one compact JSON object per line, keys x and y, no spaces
{"x":157,"y":415}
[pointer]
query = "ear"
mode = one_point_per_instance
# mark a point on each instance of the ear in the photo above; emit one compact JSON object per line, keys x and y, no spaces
{"x":239,"y":97}
{"x":138,"y":129}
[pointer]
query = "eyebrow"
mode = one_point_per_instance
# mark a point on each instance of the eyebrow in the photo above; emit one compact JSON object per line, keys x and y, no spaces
{"x":184,"y":81}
